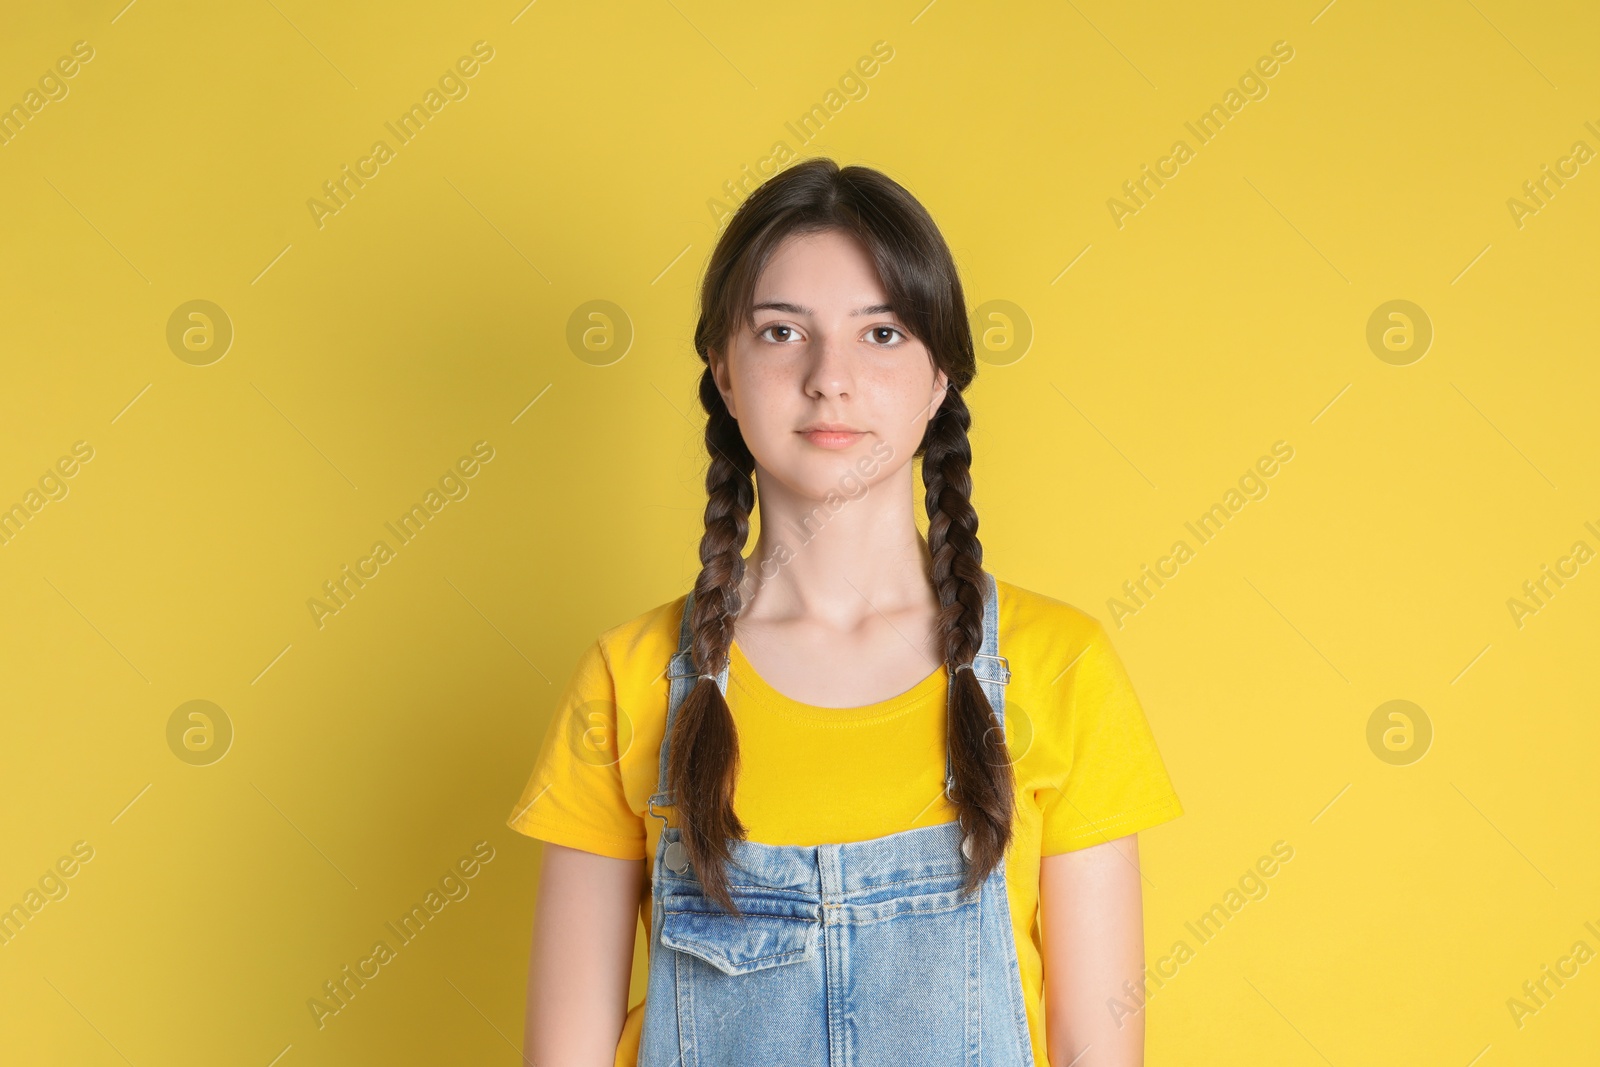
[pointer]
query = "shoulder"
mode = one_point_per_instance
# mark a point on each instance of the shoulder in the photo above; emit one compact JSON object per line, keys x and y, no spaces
{"x":1053,"y":647}
{"x":635,"y":652}
{"x":658,"y":624}
{"x":1034,"y":622}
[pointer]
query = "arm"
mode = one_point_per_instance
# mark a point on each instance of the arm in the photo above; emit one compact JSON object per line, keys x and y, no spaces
{"x":584,"y":923}
{"x":1092,"y":912}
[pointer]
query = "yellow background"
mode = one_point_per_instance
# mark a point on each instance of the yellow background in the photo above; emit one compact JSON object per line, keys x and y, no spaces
{"x":433,"y":309}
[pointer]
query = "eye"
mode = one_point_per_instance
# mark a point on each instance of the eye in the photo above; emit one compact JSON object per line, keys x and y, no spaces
{"x":777,"y":326}
{"x":890,"y":329}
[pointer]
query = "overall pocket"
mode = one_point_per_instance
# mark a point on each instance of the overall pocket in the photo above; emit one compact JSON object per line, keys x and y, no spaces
{"x":748,"y":990}
{"x":735,"y":945}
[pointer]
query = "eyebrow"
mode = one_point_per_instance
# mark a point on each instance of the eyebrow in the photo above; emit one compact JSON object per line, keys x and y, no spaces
{"x":796,"y":309}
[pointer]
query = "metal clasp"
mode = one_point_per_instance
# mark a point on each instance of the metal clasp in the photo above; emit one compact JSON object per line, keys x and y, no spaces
{"x":1005,"y":665}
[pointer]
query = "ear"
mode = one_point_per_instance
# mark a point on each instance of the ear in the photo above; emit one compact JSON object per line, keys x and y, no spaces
{"x":941,"y":385}
{"x":722,"y":378}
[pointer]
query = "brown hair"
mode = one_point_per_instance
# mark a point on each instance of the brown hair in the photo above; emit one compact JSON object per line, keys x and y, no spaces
{"x":919,"y":274}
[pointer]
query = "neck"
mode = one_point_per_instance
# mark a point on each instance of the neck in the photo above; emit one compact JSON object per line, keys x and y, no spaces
{"x":839,"y":558}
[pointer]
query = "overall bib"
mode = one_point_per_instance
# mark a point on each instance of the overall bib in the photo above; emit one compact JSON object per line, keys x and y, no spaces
{"x":860,"y":953}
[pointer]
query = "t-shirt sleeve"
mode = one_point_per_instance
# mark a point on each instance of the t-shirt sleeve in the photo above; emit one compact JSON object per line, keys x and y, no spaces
{"x":1116,"y":783}
{"x":575,"y":796}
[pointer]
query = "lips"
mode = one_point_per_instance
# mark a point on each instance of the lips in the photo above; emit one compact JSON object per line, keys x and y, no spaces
{"x":831,"y":438}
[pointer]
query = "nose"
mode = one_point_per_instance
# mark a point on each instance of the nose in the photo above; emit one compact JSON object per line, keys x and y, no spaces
{"x":831,"y":371}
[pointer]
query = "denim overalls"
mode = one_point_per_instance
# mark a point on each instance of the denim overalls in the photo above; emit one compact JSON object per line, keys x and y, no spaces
{"x":861,"y":953}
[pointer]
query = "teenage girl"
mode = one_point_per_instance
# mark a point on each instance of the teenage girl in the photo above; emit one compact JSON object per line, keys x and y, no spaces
{"x":872,"y":805}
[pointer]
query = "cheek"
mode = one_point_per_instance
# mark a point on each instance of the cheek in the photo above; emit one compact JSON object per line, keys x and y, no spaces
{"x":900,"y":411}
{"x":766,"y":404}
{"x":899,"y":394}
{"x":761,"y":392}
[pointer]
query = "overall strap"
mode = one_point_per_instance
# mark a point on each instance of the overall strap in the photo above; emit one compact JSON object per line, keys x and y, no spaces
{"x":991,"y":669}
{"x":681,"y":678}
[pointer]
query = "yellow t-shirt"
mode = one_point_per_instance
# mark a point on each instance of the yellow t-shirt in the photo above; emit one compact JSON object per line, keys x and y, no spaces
{"x":1086,"y":764}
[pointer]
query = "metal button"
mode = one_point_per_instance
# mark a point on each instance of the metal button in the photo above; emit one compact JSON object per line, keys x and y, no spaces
{"x":677,"y":858}
{"x":966,"y":847}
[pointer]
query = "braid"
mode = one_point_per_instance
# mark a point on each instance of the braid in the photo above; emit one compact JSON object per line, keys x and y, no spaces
{"x":979,"y":759}
{"x":704,"y":762}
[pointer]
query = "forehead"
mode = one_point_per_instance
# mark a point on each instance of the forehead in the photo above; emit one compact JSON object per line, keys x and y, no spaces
{"x":821,"y":273}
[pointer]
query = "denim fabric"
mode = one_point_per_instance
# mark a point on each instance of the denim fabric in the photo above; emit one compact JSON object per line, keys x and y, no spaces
{"x":860,"y":953}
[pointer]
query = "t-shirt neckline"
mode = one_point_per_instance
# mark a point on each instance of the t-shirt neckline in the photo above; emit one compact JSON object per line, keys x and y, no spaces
{"x":745,"y":676}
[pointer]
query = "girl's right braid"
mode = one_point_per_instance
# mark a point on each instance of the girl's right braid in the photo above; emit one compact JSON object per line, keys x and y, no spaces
{"x":704,"y":763}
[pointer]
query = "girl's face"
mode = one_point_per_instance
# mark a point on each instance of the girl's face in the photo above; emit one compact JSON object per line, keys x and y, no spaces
{"x":825,"y":351}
